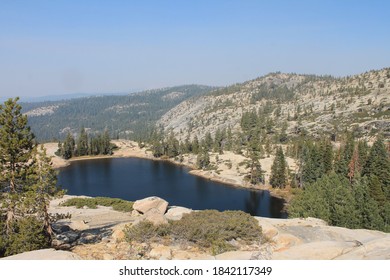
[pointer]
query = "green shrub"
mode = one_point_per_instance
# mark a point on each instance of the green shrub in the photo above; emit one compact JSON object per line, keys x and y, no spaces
{"x":208,"y":229}
{"x":27,"y":234}
{"x":145,"y":231}
{"x":116,"y":203}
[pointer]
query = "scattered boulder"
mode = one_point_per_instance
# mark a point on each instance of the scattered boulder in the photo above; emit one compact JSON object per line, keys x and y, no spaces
{"x":65,"y":240}
{"x":175,"y":213}
{"x":155,"y":216}
{"x":59,"y":228}
{"x":117,"y":233}
{"x":88,"y":238}
{"x":68,"y":237}
{"x":154,"y":202}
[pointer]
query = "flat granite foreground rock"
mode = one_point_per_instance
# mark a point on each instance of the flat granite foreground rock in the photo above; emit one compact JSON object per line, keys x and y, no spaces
{"x":100,"y":236}
{"x":44,"y":254}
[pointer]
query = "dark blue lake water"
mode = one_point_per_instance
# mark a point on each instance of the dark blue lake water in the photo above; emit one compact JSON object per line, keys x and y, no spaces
{"x":133,"y":178}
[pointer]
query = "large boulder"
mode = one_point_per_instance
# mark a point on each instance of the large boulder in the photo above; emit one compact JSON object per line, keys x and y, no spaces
{"x":154,"y":202}
{"x":176,"y":213}
{"x":155,"y":216}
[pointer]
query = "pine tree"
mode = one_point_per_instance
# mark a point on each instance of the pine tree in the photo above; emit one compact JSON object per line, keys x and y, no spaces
{"x":376,"y":190}
{"x":68,"y":146}
{"x":345,"y":156}
{"x":42,"y":186}
{"x":27,"y":181}
{"x":256,"y":174}
{"x":82,"y":143}
{"x":208,"y":141}
{"x":354,"y":165}
{"x":278,"y":177}
{"x":195,"y":145}
{"x":326,"y":150}
{"x":106,"y":140}
{"x":229,"y":140}
{"x":203,"y":158}
{"x":367,"y":209}
{"x":16,"y":147}
{"x":378,"y":164}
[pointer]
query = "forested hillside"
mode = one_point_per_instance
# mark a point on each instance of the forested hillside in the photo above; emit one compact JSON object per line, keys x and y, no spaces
{"x":129,"y":116}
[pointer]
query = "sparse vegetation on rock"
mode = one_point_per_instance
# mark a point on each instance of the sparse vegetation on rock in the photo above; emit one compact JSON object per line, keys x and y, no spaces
{"x":209,"y":229}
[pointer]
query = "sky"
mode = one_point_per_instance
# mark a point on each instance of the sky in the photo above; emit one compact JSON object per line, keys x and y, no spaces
{"x":63,"y":47}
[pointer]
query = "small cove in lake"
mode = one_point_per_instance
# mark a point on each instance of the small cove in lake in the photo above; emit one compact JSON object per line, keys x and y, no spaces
{"x":135,"y":178}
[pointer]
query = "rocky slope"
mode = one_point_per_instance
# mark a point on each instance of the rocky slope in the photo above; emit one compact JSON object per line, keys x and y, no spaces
{"x":315,"y":104}
{"x":100,"y":236}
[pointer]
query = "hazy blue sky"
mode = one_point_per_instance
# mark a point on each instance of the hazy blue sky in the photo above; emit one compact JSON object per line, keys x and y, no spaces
{"x":57,"y":47}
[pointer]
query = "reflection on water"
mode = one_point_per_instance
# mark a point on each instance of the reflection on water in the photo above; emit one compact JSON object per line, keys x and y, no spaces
{"x":132,"y":179}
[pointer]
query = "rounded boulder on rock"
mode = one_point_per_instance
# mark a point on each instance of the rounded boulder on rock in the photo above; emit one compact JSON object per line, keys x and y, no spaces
{"x":176,"y":212}
{"x":154,"y":216}
{"x":153,"y":202}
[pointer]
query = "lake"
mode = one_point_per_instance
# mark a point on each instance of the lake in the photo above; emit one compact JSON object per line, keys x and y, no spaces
{"x":134,"y":178}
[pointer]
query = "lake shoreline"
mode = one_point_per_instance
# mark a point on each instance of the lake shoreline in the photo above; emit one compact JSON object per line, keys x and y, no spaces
{"x":130,"y":149}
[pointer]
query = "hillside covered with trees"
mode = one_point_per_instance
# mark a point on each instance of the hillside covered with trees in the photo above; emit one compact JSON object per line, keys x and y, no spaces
{"x":129,"y":116}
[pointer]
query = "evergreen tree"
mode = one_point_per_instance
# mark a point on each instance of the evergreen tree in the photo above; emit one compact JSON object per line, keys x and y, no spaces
{"x":82,"y":143}
{"x":27,"y":181}
{"x":329,"y":198}
{"x":172,"y":146}
{"x":376,"y":190}
{"x":278,"y":177}
{"x":229,"y":140}
{"x":106,"y":140}
{"x":42,"y":181}
{"x":203,"y":158}
{"x":16,"y":147}
{"x":187,"y":146}
{"x":208,"y":141}
{"x":68,"y":146}
{"x":195,"y":145}
{"x":378,"y":164}
{"x":367,"y":209}
{"x":326,"y":150}
{"x":157,"y":148}
{"x":344,"y":156}
{"x":256,"y":174}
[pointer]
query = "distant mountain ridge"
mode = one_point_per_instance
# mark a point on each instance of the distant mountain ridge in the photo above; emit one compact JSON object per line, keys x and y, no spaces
{"x":127,"y":116}
{"x":309,"y":104}
{"x":59,"y":97}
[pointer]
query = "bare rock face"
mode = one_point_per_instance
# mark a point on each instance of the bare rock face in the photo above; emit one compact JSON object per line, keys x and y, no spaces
{"x":161,"y":252}
{"x":44,"y":254}
{"x":235,"y":255}
{"x":175,"y":213}
{"x":144,"y":205}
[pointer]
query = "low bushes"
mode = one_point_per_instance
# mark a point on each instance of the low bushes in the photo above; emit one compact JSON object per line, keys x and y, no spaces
{"x":116,"y":203}
{"x":208,"y":229}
